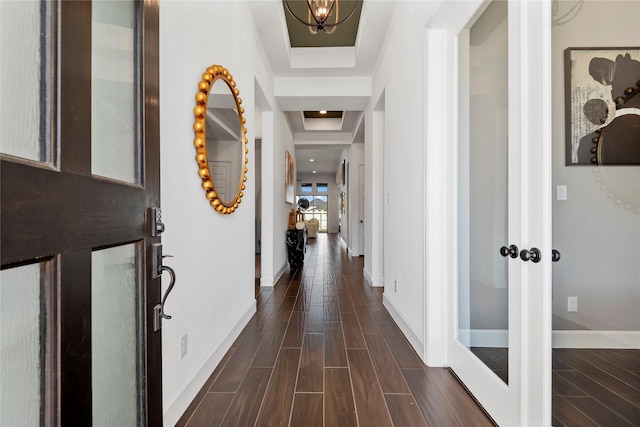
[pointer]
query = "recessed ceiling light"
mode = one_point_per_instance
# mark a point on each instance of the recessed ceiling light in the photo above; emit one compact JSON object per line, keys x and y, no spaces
{"x":316,"y":114}
{"x":312,"y":160}
{"x":314,"y":171}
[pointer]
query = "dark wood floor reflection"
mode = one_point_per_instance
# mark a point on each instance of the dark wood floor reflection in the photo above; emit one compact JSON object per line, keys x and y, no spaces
{"x":323,"y":351}
{"x":596,"y":387}
{"x":591,"y":387}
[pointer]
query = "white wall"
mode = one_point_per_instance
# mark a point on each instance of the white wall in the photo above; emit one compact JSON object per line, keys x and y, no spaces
{"x":599,"y":239}
{"x":275,"y":210}
{"x":213,"y":253}
{"x":355,"y":159}
{"x":401,"y":75}
{"x":373,"y":189}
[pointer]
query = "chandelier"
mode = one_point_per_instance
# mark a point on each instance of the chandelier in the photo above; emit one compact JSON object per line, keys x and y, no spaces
{"x":322,"y":15}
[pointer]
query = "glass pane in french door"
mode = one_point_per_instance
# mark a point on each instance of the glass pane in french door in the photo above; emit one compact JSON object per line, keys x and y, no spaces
{"x":483,"y":312}
{"x":114,"y":95}
{"x":115,"y":324}
{"x":596,"y":212}
{"x":23,"y":346}
{"x":25,"y":100}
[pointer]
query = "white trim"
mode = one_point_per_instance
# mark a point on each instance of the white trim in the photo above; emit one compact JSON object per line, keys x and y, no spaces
{"x":377,"y":282}
{"x":534,"y":50}
{"x":415,"y":342}
{"x":367,"y":276}
{"x":596,"y":339}
{"x":184,"y":399}
{"x":497,"y":338}
{"x":271,"y":282}
{"x":437,"y":198}
{"x":494,"y":338}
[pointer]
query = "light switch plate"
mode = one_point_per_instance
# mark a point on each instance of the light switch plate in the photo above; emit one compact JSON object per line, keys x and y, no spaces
{"x":561,"y":192}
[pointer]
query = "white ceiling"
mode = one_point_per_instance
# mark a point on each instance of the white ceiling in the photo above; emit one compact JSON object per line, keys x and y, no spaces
{"x":328,"y":63}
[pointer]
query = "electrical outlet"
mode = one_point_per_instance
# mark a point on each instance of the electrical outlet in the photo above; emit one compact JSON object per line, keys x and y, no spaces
{"x":184,"y":346}
{"x":572,"y":304}
{"x":395,"y":286}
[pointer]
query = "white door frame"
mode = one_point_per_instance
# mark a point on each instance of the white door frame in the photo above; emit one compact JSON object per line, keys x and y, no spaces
{"x":532,"y":47}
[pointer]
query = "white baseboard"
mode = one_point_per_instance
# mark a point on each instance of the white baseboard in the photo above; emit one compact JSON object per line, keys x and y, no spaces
{"x":596,"y":339}
{"x":173,"y":413}
{"x":367,"y":276}
{"x":280,"y":273}
{"x":415,"y":342}
{"x":494,"y":338}
{"x":497,"y":338}
{"x":270,"y":282}
{"x":378,"y":282}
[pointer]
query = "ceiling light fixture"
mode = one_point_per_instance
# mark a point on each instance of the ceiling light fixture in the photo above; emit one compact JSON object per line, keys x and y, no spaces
{"x":323,"y":112}
{"x":314,"y":171}
{"x":322,"y":15}
{"x":312,"y":160}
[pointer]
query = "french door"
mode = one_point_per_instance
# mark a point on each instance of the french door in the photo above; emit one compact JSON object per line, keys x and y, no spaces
{"x":500,"y":339}
{"x":80,"y":172}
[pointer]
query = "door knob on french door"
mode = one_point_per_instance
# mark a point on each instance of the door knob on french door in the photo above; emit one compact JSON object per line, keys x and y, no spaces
{"x":511,"y":251}
{"x":555,"y":255}
{"x":532,"y":255}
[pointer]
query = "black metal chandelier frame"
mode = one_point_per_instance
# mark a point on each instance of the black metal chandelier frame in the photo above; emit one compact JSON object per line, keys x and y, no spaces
{"x":321,"y":24}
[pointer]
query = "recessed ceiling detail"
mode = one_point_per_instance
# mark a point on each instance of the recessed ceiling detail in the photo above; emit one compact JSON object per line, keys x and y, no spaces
{"x":327,"y":115}
{"x":344,"y":35}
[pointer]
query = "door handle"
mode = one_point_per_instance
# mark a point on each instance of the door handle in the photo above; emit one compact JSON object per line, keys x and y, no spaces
{"x":532,"y":255}
{"x":555,"y":255}
{"x":158,"y":269}
{"x":172,"y":273}
{"x":511,"y":251}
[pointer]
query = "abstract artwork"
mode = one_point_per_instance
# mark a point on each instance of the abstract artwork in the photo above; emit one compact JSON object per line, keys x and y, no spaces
{"x":601,"y":93}
{"x":289,"y":177}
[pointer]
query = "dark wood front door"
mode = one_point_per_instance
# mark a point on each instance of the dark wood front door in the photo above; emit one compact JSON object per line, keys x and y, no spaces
{"x":76,"y":287}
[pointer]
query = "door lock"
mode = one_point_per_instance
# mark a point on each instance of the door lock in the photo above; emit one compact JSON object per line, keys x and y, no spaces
{"x":155,"y":222}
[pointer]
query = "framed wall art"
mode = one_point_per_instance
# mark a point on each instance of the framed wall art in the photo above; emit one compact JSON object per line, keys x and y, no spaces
{"x":601,"y":93}
{"x":289,"y":177}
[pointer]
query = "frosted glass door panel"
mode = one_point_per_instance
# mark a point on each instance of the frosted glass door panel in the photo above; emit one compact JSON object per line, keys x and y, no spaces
{"x":23,"y":126}
{"x":21,"y":356}
{"x":114,"y":339}
{"x":482,"y":286}
{"x":114,"y":93}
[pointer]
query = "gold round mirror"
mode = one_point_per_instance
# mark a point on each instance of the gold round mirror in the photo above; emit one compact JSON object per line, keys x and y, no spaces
{"x":220,"y":139}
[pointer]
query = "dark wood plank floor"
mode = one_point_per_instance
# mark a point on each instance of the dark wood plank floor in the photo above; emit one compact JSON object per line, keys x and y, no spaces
{"x":596,"y":387}
{"x":591,"y":387}
{"x":323,"y":351}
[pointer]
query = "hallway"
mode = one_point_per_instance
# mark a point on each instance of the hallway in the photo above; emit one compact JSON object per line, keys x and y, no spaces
{"x":322,"y":350}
